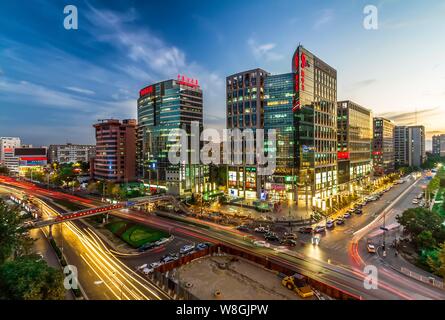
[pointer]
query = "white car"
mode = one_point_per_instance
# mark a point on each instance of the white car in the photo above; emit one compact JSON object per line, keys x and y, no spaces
{"x":142,"y":266}
{"x":162,"y":241}
{"x":262,"y":244}
{"x":154,"y":265}
{"x":147,"y":271}
{"x":415,"y":201}
{"x":186,"y":249}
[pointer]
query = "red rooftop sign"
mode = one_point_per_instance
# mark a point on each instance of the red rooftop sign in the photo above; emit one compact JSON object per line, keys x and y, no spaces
{"x":145,"y":91}
{"x":186,"y":81}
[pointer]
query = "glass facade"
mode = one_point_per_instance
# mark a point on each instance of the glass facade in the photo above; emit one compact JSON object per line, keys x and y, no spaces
{"x":166,"y":106}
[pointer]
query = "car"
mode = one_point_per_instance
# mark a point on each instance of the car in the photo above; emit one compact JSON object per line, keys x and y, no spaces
{"x":291,"y":236}
{"x":147,"y":271}
{"x":168,"y":259}
{"x":154,"y":265}
{"x":289,"y":242}
{"x":147,"y":246}
{"x":202,"y":246}
{"x":370,"y":247}
{"x":358,"y":211}
{"x":262,"y":244}
{"x":415,"y":201}
{"x":271,"y":237}
{"x":320,"y":229}
{"x":261,"y":230}
{"x":161,"y":241}
{"x":329,"y":224}
{"x":305,"y":230}
{"x":347,"y":215}
{"x":142,"y":266}
{"x":420,"y":196}
{"x":242,"y":228}
{"x":186,"y":249}
{"x":339,"y":221}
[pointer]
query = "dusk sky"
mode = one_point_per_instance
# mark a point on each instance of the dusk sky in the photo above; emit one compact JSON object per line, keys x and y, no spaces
{"x":55,"y":83}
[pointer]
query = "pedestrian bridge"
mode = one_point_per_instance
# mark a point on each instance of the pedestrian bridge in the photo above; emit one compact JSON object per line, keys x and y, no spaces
{"x":89,"y":212}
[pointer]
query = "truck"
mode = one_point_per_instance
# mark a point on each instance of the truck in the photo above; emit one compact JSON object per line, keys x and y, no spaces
{"x":298,"y":284}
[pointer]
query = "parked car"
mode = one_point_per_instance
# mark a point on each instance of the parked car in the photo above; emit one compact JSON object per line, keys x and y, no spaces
{"x":147,"y":271}
{"x":330,"y":224}
{"x":154,"y":265}
{"x":358,"y":211}
{"x":347,"y":215}
{"x":142,"y":266}
{"x":339,"y":221}
{"x":202,"y":246}
{"x":186,"y":249}
{"x":415,"y":201}
{"x":167,"y":259}
{"x":319,"y":229}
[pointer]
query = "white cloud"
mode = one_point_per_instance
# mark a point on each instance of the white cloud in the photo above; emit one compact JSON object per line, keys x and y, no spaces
{"x":81,"y":90}
{"x":326,"y":16}
{"x":263,"y":51}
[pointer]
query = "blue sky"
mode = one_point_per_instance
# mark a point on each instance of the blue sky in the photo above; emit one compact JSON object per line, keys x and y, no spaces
{"x":54,"y":83}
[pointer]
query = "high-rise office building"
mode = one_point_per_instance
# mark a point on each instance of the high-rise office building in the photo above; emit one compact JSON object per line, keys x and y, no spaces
{"x":302,"y":107}
{"x":354,"y":145}
{"x":163,"y":107}
{"x":409,"y":146}
{"x":315,"y":108}
{"x":70,"y":153}
{"x":278,"y":116}
{"x":245,"y":110}
{"x":416,"y":146}
{"x":7,"y":157}
{"x":383,"y":158}
{"x":401,"y":146}
{"x":115,"y":158}
{"x":439,"y":145}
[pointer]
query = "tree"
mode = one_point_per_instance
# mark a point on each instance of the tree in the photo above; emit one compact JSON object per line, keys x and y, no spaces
{"x":438,"y":265}
{"x":4,"y":170}
{"x":30,"y":278}
{"x":425,"y":240}
{"x":420,"y":220}
{"x":13,"y":237}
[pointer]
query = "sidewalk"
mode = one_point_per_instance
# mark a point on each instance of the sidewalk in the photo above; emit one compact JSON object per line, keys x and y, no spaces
{"x":400,"y":264}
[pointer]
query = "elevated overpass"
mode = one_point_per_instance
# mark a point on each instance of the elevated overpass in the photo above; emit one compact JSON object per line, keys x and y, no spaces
{"x":90,"y":212}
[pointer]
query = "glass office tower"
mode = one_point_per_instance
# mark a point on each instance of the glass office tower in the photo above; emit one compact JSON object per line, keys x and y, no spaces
{"x":162,"y":107}
{"x":278,"y":115}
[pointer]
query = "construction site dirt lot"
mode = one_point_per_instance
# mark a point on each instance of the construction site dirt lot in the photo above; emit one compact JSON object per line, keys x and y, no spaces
{"x":231,"y":278}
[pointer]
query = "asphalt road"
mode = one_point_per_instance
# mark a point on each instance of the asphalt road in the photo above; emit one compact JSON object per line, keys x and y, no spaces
{"x":333,"y":262}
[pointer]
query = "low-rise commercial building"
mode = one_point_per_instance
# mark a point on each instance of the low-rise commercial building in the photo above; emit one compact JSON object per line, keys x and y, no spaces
{"x":70,"y":153}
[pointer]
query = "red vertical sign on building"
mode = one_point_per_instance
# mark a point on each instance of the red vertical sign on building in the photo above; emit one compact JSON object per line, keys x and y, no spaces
{"x":299,"y":76}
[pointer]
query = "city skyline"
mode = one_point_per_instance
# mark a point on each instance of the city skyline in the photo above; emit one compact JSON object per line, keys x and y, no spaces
{"x":117,"y":60}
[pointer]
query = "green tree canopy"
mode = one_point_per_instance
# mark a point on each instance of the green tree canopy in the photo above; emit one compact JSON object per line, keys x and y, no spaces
{"x":13,"y":237}
{"x":30,"y":278}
